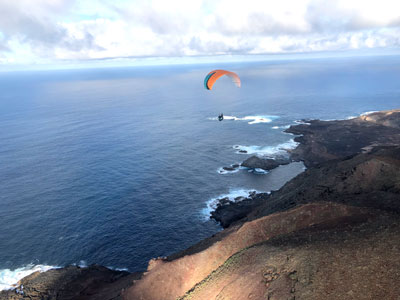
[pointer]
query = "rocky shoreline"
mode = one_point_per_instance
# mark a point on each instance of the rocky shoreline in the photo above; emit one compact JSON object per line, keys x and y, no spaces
{"x":228,"y":212}
{"x":331,"y":232}
{"x":320,"y":142}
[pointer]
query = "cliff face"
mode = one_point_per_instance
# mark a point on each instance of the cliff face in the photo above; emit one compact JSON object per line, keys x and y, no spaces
{"x":333,"y":232}
{"x":339,"y":261}
{"x":170,"y":279}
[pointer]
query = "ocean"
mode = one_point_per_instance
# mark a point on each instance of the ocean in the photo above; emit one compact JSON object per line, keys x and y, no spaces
{"x":116,"y":166}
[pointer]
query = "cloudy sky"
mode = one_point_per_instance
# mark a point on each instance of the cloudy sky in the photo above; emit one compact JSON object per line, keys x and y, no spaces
{"x":58,"y":31}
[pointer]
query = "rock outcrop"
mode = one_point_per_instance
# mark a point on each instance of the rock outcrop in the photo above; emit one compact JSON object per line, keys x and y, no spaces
{"x":255,"y":162}
{"x":228,"y":212}
{"x":72,"y":282}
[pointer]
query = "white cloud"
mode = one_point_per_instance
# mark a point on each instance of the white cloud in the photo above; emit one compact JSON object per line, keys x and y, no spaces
{"x":258,"y":17}
{"x":51,"y":30}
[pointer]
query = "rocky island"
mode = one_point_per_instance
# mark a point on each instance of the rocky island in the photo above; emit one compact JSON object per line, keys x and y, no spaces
{"x":332,"y":232}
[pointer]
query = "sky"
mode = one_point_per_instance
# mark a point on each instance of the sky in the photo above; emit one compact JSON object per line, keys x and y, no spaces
{"x":57,"y":32}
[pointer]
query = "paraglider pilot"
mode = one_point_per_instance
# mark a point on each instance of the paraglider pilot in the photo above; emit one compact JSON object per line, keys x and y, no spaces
{"x":213,"y":76}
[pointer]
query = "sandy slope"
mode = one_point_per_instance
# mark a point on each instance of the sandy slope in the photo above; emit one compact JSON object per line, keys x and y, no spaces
{"x":347,"y":262}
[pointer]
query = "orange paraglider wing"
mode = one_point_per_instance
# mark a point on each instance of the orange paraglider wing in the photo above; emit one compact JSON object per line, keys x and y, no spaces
{"x":213,"y":76}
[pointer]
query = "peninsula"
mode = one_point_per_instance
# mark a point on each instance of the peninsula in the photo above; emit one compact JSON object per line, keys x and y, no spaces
{"x":332,"y":232}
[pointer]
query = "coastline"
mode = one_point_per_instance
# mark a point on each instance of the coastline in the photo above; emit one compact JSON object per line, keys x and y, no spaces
{"x":365,"y":149}
{"x":316,"y":145}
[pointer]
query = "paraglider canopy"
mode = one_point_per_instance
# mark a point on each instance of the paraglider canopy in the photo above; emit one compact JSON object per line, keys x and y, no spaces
{"x":213,"y":76}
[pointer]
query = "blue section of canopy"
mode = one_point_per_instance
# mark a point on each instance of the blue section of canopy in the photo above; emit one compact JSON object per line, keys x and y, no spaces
{"x":206,"y":80}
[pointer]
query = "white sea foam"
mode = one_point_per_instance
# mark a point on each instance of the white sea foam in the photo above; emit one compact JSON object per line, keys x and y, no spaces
{"x":347,"y":118}
{"x":233,"y":193}
{"x":259,"y":171}
{"x":223,"y":172}
{"x":9,"y":278}
{"x":301,"y":122}
{"x":250,"y":119}
{"x":270,"y":151}
{"x":368,"y":113}
{"x":362,"y":114}
{"x":118,"y":269}
{"x":281,"y":127}
{"x":83,"y":264}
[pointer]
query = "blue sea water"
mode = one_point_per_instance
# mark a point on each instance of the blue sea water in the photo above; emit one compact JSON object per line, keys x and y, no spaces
{"x":116,"y":166}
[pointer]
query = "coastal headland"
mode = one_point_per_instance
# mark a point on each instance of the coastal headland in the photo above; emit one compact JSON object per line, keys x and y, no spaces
{"x":332,"y":232}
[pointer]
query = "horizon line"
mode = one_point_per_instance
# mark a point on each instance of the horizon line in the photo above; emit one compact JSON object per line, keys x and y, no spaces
{"x":193,"y":60}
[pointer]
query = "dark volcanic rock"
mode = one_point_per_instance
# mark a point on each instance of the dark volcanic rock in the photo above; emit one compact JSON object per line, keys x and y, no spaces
{"x":264,"y":163}
{"x":72,"y":282}
{"x":223,"y":201}
{"x":231,"y":168}
{"x":367,"y":180}
{"x":327,"y":140}
{"x":228,"y":212}
{"x":356,"y":162}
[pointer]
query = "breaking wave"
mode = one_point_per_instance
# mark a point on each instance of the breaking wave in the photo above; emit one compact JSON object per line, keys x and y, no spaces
{"x":234,"y":195}
{"x":301,"y":122}
{"x":270,"y":151}
{"x":281,"y":127}
{"x":250,"y":119}
{"x":9,"y":278}
{"x":258,"y":171}
{"x":368,"y":113}
{"x":362,"y":114}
